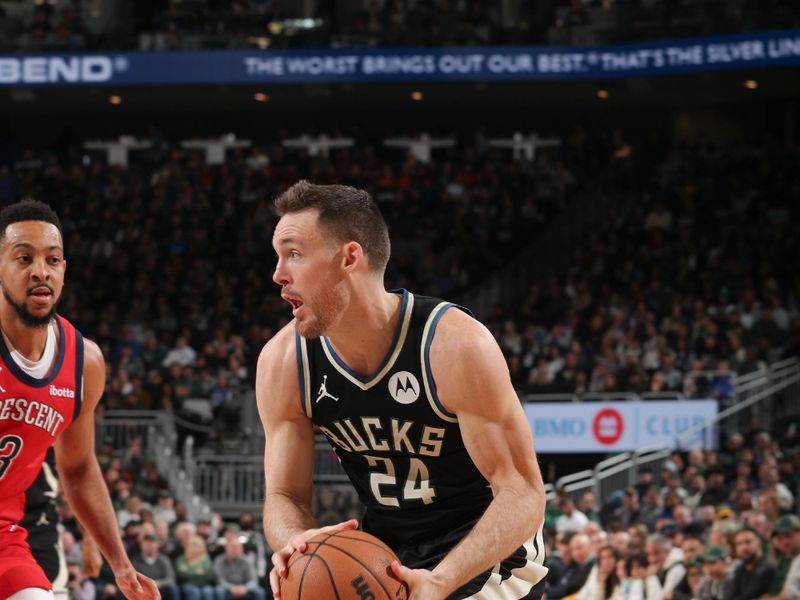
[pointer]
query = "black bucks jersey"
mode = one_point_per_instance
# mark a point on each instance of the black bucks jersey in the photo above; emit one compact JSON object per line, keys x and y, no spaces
{"x":401,"y":448}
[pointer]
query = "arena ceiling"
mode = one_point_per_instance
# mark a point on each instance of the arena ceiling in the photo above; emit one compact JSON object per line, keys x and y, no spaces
{"x":663,"y":92}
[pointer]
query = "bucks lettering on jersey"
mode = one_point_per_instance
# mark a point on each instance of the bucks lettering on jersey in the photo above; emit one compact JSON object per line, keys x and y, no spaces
{"x":401,"y":448}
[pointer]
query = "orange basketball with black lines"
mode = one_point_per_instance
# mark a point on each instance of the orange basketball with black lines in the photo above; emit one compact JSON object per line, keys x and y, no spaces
{"x":343,"y":565}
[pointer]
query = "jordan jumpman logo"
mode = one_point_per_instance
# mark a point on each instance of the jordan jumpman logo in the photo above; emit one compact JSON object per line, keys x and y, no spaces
{"x":323,"y":390}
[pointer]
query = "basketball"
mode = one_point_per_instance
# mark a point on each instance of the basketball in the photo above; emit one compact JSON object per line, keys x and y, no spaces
{"x":344,"y":564}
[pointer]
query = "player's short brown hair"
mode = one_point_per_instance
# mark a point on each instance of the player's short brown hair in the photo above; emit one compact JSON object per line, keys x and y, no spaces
{"x":346,"y":213}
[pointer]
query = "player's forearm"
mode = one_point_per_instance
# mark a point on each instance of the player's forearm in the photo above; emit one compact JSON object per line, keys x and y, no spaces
{"x":87,"y":495}
{"x":513,"y":516}
{"x":285,"y":517}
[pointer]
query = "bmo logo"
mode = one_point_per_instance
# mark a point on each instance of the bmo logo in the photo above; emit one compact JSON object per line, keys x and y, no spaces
{"x":559,"y":428}
{"x":566,"y":427}
{"x":608,"y":426}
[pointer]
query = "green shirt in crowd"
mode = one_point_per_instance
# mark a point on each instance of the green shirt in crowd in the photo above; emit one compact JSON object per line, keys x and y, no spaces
{"x":198,"y":572}
{"x":781,"y":569}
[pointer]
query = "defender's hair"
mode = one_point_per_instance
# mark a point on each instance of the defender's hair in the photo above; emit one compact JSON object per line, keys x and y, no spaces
{"x":27,"y":210}
{"x":347,"y":213}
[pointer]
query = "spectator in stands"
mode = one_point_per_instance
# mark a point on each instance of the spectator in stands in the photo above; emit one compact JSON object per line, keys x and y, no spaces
{"x":164,"y":510}
{"x":638,"y":535}
{"x":571,"y":518}
{"x":157,"y":566}
{"x":184,"y":530}
{"x":182,"y":354}
{"x":130,"y":536}
{"x":603,"y":580}
{"x":149,"y":483}
{"x":206,"y":531}
{"x":673,"y":377}
{"x":716,"y":489}
{"x":757,"y":521}
{"x":131,"y":512}
{"x":644,"y":481}
{"x":153,"y":353}
{"x":791,"y":587}
{"x":254,"y":543}
{"x":722,"y":383}
{"x":194,"y":570}
{"x":575,"y":576}
{"x":621,"y":542}
{"x":769,"y":478}
{"x":696,"y":489}
{"x":665,"y":566}
{"x":628,"y":512}
{"x":716,"y":583}
{"x":682,"y":517}
{"x":692,"y":548}
{"x":671,"y":480}
{"x":236,"y":576}
{"x":559,"y":558}
{"x":588,"y":507}
{"x":695,"y":580}
{"x":786,"y":536}
{"x":652,"y":507}
{"x":706,"y":514}
{"x":72,"y":549}
{"x":751,"y":577}
{"x":597,"y":537}
{"x":610,"y":572}
{"x":79,"y":586}
{"x":632,"y":584}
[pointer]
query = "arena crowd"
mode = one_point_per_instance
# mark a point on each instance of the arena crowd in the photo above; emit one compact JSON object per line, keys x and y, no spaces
{"x":67,"y":25}
{"x":709,"y":526}
{"x":177,"y":256}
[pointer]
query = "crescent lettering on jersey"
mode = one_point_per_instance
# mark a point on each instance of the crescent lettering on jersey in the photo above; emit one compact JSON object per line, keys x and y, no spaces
{"x":32,"y":413}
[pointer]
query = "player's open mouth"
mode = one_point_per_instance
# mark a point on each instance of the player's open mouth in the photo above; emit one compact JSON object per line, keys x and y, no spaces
{"x":296,"y":304}
{"x":41,"y":294}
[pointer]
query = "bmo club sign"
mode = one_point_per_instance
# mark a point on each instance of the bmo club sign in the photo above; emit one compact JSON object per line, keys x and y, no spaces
{"x":565,"y":427}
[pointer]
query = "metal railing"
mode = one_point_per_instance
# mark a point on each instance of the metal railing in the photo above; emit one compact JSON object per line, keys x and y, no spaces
{"x":121,"y":427}
{"x":235,"y":483}
{"x":156,"y":430}
{"x":602,"y":396}
{"x":772,"y":392}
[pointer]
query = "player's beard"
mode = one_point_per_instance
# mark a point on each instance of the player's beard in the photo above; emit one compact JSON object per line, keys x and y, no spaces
{"x":25,"y":316}
{"x":328,"y":305}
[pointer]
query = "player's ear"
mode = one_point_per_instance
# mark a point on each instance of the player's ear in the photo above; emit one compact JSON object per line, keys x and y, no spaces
{"x":352,"y":256}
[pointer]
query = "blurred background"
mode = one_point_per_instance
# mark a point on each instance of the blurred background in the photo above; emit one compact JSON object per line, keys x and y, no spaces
{"x":610,"y":185}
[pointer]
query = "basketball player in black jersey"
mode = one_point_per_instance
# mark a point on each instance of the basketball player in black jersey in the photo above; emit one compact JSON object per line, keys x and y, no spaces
{"x":414,"y":396}
{"x":41,"y":521}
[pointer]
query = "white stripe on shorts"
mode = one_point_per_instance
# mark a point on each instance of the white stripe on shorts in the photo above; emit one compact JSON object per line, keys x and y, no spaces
{"x":522,"y":578}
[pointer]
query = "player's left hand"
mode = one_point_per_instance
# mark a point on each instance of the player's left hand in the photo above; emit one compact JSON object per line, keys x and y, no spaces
{"x":136,"y":586}
{"x":422,"y":584}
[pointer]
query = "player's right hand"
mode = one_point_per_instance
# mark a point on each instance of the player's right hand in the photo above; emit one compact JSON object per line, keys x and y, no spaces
{"x":280,"y":559}
{"x":136,"y":586}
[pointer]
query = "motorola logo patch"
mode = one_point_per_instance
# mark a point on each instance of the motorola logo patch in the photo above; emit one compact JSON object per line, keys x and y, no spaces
{"x":404,"y":387}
